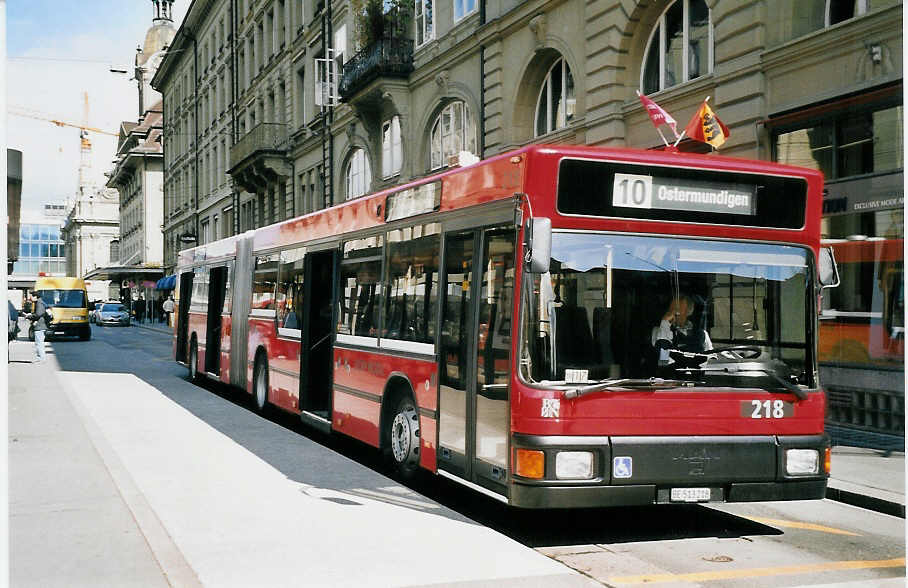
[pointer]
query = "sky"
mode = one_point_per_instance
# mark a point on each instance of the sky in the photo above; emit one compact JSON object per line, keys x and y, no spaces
{"x":57,"y":50}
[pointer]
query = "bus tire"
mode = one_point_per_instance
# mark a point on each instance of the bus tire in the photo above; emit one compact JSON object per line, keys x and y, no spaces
{"x":31,"y":333}
{"x":403,"y":437}
{"x":194,"y":360}
{"x":260,"y":385}
{"x":85,"y":334}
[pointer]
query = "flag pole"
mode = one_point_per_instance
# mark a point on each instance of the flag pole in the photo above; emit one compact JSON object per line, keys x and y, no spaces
{"x":658,"y":130}
{"x":711,"y":148}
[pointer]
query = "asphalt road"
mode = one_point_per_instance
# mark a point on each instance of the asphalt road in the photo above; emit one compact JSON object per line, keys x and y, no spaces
{"x":761,"y":544}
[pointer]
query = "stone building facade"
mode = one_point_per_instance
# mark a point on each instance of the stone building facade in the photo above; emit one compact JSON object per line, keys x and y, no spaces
{"x":138,"y":178}
{"x":90,"y":225}
{"x":247,"y":144}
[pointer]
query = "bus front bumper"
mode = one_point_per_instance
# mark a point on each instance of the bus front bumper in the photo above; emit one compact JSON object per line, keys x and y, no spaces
{"x":68,"y":329}
{"x":672,"y":470}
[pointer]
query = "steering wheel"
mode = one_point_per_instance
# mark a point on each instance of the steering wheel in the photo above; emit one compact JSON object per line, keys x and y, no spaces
{"x":745,"y":351}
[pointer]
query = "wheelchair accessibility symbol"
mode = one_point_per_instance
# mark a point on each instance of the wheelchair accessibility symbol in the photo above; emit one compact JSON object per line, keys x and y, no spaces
{"x":623,"y":467}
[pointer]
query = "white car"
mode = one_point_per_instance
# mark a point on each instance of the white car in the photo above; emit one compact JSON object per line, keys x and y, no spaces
{"x":112,"y":313}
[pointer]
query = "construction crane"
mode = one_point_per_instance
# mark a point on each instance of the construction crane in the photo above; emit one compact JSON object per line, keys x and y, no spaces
{"x":18,"y":111}
{"x":85,"y":184}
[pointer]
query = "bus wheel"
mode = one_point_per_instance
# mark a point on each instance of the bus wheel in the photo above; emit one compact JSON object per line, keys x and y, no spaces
{"x":260,"y":385}
{"x":194,"y":361}
{"x":404,"y":438}
{"x":85,"y":335}
{"x":31,"y":334}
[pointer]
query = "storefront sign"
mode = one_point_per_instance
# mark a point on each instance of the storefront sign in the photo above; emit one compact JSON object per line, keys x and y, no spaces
{"x":869,"y":194}
{"x":640,"y":191}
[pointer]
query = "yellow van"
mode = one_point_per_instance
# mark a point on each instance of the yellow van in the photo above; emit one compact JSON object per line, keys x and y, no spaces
{"x":68,"y":300}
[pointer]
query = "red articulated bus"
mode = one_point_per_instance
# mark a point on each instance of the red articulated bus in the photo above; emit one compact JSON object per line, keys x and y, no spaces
{"x":554,"y":327}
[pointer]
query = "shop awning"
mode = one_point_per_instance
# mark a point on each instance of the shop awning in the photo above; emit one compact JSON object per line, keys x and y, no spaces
{"x":166,"y":283}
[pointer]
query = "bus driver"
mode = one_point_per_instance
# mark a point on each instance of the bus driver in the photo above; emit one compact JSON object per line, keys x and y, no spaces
{"x":676,"y":331}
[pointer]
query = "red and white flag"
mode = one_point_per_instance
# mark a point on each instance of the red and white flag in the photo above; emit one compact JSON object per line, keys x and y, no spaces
{"x":657,"y":114}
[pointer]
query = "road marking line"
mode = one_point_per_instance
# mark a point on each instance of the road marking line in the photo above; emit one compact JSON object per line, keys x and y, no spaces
{"x":797,"y":525}
{"x":759,"y":572}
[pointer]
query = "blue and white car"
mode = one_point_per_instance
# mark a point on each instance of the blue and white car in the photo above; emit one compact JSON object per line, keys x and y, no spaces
{"x":112,"y":313}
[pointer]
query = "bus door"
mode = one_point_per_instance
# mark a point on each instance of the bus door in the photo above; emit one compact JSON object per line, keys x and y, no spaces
{"x":217,"y":289}
{"x":185,"y":297}
{"x":474,"y":355}
{"x":317,"y":340}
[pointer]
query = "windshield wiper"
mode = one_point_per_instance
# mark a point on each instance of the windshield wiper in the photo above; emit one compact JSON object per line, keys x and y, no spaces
{"x":632,"y":383}
{"x":691,"y":363}
{"x":736,"y":369}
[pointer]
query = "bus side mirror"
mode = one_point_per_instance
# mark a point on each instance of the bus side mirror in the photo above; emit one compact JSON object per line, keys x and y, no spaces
{"x":828,"y":271}
{"x":538,"y":245}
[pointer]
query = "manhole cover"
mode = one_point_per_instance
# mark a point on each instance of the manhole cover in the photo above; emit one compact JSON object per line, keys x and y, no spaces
{"x":718,"y":558}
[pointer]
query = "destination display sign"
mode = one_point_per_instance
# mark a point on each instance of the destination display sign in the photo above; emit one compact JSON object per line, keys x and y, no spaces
{"x":667,"y":193}
{"x":653,"y":192}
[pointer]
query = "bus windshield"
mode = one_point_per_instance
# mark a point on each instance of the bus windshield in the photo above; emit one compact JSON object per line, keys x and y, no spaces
{"x":63,"y":298}
{"x":715,"y":313}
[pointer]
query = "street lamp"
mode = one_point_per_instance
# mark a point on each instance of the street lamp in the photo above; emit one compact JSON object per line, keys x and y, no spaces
{"x":138,"y":76}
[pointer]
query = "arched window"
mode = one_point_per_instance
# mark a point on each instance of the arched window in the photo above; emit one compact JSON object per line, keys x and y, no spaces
{"x":359,"y":174}
{"x":680,"y":48}
{"x":556,"y":104}
{"x":453,"y":131}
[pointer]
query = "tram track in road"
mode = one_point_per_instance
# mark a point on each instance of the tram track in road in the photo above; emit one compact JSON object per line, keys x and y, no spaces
{"x":734,"y":545}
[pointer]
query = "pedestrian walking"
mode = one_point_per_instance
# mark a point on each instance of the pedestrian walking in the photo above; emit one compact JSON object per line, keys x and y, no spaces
{"x":168,"y":308}
{"x":39,"y":320}
{"x":140,"y":309}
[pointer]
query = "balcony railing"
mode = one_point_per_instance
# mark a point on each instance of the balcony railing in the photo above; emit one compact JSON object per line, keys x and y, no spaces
{"x":385,"y":57}
{"x":271,"y":137}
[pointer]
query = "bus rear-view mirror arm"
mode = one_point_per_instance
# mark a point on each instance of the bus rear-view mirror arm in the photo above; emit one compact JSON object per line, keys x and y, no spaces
{"x":538,"y":245}
{"x":828,"y":272}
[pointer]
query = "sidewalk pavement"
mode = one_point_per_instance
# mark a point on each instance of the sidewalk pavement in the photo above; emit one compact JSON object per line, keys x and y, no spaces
{"x":868,"y":478}
{"x":156,"y":326}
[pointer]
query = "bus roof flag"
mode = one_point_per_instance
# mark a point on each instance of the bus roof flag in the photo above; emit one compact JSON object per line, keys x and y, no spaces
{"x":705,"y":126}
{"x":658,"y":115}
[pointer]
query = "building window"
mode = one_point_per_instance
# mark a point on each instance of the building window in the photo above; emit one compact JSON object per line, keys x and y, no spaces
{"x":463,"y":8}
{"x":850,"y":144}
{"x":391,"y":148}
{"x":680,"y":47}
{"x":556,"y":104}
{"x":453,"y":131}
{"x":424,"y":11}
{"x":206,"y":234}
{"x":300,"y":94}
{"x":359,"y":174}
{"x":796,"y":19}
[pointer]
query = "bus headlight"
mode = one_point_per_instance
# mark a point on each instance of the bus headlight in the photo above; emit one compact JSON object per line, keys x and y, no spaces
{"x":802,"y":461}
{"x":574,"y":465}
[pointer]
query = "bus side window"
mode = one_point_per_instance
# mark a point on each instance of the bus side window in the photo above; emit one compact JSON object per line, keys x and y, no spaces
{"x":264,"y":282}
{"x":412,"y":283}
{"x":360,"y":281}
{"x":290,"y":288}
